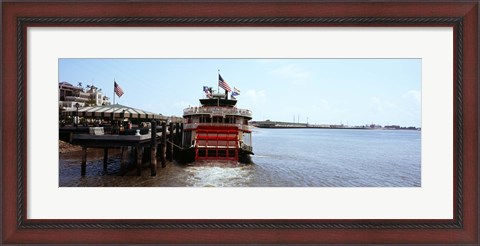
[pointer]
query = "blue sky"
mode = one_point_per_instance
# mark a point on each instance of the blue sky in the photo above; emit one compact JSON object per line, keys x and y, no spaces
{"x":326,"y":91}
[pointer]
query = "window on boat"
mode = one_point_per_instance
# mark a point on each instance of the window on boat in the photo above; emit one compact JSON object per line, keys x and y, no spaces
{"x":230,"y":119}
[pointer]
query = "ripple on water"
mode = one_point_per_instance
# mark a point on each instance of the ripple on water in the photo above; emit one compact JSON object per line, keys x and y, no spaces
{"x":218,"y":174}
{"x":283,"y":158}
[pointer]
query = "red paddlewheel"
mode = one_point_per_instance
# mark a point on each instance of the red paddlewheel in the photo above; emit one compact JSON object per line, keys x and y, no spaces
{"x":216,"y":143}
{"x":216,"y":154}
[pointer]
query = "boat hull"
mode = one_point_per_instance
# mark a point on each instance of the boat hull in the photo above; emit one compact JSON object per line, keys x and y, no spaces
{"x":245,"y":157}
{"x":188,"y":156}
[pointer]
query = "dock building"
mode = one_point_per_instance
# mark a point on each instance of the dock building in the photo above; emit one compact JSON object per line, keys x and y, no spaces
{"x":69,"y":95}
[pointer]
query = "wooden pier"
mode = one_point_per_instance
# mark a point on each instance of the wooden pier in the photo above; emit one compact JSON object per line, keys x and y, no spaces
{"x":146,"y":147}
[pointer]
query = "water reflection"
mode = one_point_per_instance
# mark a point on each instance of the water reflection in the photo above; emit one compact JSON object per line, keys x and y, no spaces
{"x":199,"y":174}
{"x":283,"y":158}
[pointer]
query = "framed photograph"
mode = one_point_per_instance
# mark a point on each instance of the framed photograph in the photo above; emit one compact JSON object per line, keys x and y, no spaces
{"x":382,"y":147}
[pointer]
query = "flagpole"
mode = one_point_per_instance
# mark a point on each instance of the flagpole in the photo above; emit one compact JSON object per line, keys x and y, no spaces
{"x":113,"y":108}
{"x":114,"y":81}
{"x":218,"y":85}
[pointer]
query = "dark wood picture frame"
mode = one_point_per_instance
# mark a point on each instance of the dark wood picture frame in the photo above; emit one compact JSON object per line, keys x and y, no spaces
{"x":462,"y":16}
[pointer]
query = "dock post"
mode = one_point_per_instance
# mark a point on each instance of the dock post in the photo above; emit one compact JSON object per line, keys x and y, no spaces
{"x":122,"y":160}
{"x":164,"y":146}
{"x":84,"y":161}
{"x":146,"y":154}
{"x":177,"y":140}
{"x":138,"y":159}
{"x":180,"y":140}
{"x":170,"y":143}
{"x":105,"y":159}
{"x":177,"y":133}
{"x":153,"y":150}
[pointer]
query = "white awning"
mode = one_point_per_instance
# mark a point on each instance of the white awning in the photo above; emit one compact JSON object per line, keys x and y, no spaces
{"x":118,"y":111}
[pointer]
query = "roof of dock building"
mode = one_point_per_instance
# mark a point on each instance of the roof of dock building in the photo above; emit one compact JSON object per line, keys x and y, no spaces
{"x":118,"y":111}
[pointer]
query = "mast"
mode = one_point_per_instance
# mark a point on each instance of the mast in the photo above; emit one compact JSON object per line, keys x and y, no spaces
{"x":114,"y":81}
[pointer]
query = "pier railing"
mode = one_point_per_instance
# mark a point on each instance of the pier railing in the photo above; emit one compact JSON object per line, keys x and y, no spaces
{"x":217,"y":111}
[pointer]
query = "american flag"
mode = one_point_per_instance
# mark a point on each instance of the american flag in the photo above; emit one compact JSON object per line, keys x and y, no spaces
{"x":236,"y":90}
{"x":223,"y":84}
{"x":117,"y":89}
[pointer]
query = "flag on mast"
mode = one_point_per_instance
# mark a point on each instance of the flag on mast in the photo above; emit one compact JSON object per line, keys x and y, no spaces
{"x":235,"y":92}
{"x":206,"y":89}
{"x":118,"y":90}
{"x":223,"y":84}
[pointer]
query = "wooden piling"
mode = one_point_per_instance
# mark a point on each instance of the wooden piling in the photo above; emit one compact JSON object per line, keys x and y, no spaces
{"x":146,"y":155}
{"x":122,"y":160}
{"x":176,"y":141}
{"x":163,"y":145}
{"x":84,"y":161}
{"x":153,"y":150}
{"x":105,"y":159}
{"x":170,"y":143}
{"x":180,"y":141}
{"x":138,"y":159}
{"x":177,"y":134}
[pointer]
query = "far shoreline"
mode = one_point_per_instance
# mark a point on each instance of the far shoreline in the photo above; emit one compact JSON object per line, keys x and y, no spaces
{"x":336,"y":128}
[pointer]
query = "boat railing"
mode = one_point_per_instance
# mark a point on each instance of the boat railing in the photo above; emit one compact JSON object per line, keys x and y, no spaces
{"x":189,"y":126}
{"x":217,"y":111}
{"x":246,"y":147}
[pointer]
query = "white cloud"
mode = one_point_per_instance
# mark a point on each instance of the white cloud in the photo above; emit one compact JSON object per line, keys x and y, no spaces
{"x":322,"y":105}
{"x":183,"y":104}
{"x":256,"y":97}
{"x":380,"y":104}
{"x":175,"y":109}
{"x":293,"y":73}
{"x":413,"y":94}
{"x":376,"y":103}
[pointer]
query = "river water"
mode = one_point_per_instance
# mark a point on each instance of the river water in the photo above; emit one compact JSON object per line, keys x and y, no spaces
{"x":283,"y":158}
